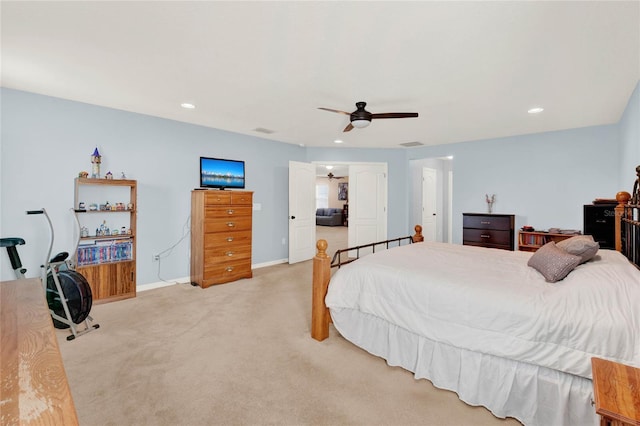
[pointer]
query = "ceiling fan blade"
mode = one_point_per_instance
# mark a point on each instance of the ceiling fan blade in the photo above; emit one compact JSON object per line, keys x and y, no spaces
{"x":335,"y":110}
{"x":348,"y":128}
{"x":395,"y":115}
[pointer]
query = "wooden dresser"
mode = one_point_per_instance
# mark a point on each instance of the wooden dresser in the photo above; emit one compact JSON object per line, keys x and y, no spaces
{"x":33,"y":384}
{"x":488,"y":230}
{"x":221,"y":224}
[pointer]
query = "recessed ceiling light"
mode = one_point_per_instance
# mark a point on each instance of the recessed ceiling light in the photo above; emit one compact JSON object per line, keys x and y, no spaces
{"x":187,"y":105}
{"x":337,"y":141}
{"x":536,"y":110}
{"x":329,"y":167}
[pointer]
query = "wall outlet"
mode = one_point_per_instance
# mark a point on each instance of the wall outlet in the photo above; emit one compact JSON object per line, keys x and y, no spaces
{"x":156,"y":257}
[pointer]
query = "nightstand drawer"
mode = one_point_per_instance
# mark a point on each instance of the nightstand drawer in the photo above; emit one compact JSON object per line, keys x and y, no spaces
{"x":486,"y":236}
{"x":487,"y":222}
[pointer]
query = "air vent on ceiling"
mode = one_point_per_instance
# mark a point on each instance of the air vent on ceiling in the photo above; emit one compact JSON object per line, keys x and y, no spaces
{"x":410,"y":144}
{"x":263,"y":130}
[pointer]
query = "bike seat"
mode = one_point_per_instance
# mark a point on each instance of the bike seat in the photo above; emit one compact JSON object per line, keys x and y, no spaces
{"x":60,"y":257}
{"x":11,"y":242}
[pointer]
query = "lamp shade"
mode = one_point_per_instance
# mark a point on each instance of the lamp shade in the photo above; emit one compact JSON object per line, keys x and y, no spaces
{"x":360,"y":123}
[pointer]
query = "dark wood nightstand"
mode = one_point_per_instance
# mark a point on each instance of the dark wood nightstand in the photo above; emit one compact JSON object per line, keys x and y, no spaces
{"x":616,"y":390}
{"x":488,"y":230}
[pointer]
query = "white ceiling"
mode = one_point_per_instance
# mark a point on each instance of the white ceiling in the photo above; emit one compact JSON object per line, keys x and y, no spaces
{"x":470,"y":69}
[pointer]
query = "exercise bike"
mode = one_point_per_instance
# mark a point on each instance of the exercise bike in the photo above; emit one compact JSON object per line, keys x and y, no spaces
{"x":68,"y":293}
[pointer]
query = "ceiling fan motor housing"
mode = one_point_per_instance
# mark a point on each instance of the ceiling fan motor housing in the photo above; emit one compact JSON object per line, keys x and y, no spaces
{"x":360,"y":113}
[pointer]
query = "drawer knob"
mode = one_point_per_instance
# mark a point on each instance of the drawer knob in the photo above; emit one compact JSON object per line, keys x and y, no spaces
{"x":485,"y":222}
{"x":229,"y":268}
{"x":229,"y":253}
{"x":485,"y":236}
{"x":230,"y":211}
{"x":229,"y":239}
{"x":231,"y":224}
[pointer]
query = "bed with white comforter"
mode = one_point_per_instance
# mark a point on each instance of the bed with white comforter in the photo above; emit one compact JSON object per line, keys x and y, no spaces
{"x":482,"y":323}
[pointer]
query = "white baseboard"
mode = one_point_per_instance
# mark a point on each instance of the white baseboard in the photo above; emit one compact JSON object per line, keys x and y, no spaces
{"x":185,"y":280}
{"x":160,"y":284}
{"x":271,"y":263}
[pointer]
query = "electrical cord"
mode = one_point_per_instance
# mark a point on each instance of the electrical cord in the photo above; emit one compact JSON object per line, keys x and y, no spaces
{"x":186,"y":230}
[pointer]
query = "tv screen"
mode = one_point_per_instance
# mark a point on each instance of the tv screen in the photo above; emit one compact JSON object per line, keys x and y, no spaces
{"x":221,"y":174}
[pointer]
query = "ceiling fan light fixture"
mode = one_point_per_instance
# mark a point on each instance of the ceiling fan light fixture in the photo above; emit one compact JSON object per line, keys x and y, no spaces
{"x":360,"y":124}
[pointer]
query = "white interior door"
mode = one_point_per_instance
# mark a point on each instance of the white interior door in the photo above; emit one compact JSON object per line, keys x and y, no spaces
{"x":302,"y":211}
{"x":367,"y":204}
{"x":429,"y":204}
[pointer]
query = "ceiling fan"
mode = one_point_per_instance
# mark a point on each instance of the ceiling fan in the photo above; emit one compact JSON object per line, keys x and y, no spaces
{"x":362,"y":118}
{"x":332,"y":176}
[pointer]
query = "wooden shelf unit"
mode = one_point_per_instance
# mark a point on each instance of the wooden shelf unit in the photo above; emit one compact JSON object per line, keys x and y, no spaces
{"x":113,"y":275}
{"x":533,"y":240}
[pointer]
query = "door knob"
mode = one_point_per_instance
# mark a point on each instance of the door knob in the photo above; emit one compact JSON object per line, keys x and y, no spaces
{"x":293,"y":217}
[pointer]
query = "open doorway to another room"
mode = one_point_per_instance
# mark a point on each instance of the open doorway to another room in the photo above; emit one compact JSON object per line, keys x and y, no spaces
{"x":332,"y":204}
{"x":431,"y":189}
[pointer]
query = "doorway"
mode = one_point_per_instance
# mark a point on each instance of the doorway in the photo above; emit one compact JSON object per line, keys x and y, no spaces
{"x":431,"y":189}
{"x":367,"y":187}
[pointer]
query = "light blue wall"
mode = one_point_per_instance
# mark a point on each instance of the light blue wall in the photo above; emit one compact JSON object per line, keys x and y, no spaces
{"x":630,"y":141}
{"x":544,"y":179}
{"x":47,"y":141}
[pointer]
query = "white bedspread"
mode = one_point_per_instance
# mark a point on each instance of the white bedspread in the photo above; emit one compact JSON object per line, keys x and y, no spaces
{"x":490,"y":301}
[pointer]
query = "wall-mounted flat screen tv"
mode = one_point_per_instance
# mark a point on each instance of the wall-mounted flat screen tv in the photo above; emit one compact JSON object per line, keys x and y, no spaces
{"x":221,"y":174}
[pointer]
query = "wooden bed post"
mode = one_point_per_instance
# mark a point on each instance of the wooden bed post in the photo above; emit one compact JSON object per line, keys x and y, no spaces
{"x":320,"y":316}
{"x":622,"y":198}
{"x":418,"y":238}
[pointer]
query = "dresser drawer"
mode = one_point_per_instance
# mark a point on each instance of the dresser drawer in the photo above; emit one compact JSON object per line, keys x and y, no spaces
{"x":226,"y":272}
{"x":220,"y":213}
{"x":227,"y":239}
{"x":222,"y":255}
{"x":486,"y":237}
{"x":487,"y":222}
{"x":230,"y":224}
{"x":217,"y":197}
{"x":241,"y":198}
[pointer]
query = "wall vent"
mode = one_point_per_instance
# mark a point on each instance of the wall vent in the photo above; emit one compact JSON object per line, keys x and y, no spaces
{"x":410,"y":144}
{"x":263,"y":130}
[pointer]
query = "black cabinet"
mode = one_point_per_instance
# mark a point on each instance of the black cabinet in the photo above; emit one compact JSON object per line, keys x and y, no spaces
{"x":488,"y":230}
{"x":599,"y":222}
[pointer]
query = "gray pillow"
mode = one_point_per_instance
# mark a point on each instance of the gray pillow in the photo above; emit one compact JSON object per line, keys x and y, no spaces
{"x":554,"y":264}
{"x":580,"y":245}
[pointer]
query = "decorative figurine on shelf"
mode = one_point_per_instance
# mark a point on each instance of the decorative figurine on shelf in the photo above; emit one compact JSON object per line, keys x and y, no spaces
{"x":96,"y":159}
{"x":81,"y":206}
{"x":490,"y":201}
{"x":83,"y":174}
{"x":122,"y":175}
{"x":93,"y":207}
{"x":109,"y":175}
{"x":130,"y":206}
{"x":107,"y":206}
{"x":123,"y":231}
{"x":636,"y":189}
{"x":84,"y":232}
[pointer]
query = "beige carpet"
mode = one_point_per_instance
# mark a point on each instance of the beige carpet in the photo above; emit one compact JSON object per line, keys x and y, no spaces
{"x":241,"y":354}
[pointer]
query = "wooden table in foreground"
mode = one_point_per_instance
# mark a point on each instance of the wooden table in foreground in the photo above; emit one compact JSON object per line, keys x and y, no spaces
{"x":33,"y":384}
{"x":616,"y":390}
